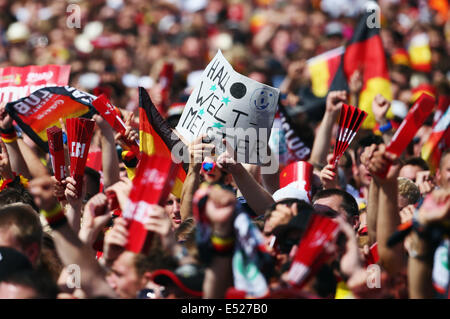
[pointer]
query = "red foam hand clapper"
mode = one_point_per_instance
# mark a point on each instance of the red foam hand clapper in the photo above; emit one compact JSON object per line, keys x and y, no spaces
{"x":56,"y":149}
{"x":298,"y":175}
{"x":109,"y":113}
{"x":154,"y":180}
{"x":79,"y":135}
{"x":314,"y":249}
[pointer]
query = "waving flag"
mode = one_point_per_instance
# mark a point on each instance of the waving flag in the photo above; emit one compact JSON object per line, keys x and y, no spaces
{"x":156,"y":136}
{"x":322,"y":69}
{"x":365,"y":52}
{"x":432,"y":149}
{"x":43,"y":109}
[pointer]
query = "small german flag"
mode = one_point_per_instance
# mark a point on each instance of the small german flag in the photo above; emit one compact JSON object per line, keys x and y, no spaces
{"x":156,"y":136}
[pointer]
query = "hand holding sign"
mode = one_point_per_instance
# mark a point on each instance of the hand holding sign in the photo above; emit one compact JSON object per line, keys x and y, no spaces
{"x":226,"y":104}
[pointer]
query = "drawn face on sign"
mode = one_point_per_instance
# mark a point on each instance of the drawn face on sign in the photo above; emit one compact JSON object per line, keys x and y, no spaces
{"x":262,"y":99}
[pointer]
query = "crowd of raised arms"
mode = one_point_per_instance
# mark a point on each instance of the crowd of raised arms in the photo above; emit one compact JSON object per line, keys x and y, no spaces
{"x":231,"y":231}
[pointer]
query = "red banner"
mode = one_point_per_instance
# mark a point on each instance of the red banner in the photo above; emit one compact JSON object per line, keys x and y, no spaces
{"x":19,"y":82}
{"x":154,"y":180}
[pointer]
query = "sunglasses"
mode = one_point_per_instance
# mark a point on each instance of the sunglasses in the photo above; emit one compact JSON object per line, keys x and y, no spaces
{"x":208,"y":166}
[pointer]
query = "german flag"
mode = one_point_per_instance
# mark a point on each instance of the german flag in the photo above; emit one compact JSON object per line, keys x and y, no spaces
{"x":322,"y":69}
{"x":156,"y":136}
{"x":439,"y":139}
{"x":365,"y":52}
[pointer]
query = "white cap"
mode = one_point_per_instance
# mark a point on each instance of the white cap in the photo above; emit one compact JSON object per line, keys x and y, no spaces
{"x":399,"y":108}
{"x":290,"y":192}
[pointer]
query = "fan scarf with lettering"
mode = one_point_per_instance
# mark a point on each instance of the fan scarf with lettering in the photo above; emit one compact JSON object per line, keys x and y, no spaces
{"x":156,"y":136}
{"x":43,"y":109}
{"x":350,"y":121}
{"x":365,"y":52}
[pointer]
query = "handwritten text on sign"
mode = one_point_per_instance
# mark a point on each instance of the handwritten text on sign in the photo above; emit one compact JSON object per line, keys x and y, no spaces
{"x":226,"y":104}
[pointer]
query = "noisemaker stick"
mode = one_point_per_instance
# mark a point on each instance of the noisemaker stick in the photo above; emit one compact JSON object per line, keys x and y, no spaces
{"x":56,"y":149}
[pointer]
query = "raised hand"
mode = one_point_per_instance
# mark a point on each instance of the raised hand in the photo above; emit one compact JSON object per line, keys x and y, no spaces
{"x":5,"y":165}
{"x":328,"y":177}
{"x":435,"y":208}
{"x":95,"y":217}
{"x":380,"y":106}
{"x":6,"y":121}
{"x":227,"y":160}
{"x":115,"y":240}
{"x":425,"y":182}
{"x":198,"y":150}
{"x":122,"y":189}
{"x":220,"y":210}
{"x":335,"y":99}
{"x":71,"y":193}
{"x":42,"y":189}
{"x":381,"y":162}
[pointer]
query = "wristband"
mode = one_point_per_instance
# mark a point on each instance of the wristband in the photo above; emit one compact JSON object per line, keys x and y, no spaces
{"x":222,"y":245}
{"x":386,"y":127}
{"x":9,"y":137}
{"x":55,"y":217}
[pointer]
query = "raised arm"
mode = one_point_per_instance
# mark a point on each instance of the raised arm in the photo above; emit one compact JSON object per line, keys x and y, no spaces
{"x":322,"y":142}
{"x":257,"y":197}
{"x":434,"y":211}
{"x":110,"y":160}
{"x":197,"y":151}
{"x":9,"y":137}
{"x":69,"y":247}
{"x":218,"y":275}
{"x":372,"y":200}
{"x":388,"y":217}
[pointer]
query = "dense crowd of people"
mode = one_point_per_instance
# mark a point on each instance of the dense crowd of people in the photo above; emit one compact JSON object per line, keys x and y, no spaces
{"x":233,"y":232}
